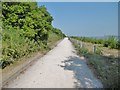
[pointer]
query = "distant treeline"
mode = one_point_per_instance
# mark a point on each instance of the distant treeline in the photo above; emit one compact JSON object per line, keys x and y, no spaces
{"x":110,"y":42}
{"x":26,"y":29}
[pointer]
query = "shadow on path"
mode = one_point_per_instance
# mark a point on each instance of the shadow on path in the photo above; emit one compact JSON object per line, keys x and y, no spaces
{"x":84,"y":76}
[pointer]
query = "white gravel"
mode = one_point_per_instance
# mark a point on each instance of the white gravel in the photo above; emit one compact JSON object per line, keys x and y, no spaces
{"x":59,"y":68}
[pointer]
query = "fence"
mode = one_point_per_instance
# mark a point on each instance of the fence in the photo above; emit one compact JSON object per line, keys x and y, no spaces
{"x":93,"y":48}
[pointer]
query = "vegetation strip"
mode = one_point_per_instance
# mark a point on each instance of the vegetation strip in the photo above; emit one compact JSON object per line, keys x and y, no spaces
{"x":110,"y":41}
{"x":105,"y":68}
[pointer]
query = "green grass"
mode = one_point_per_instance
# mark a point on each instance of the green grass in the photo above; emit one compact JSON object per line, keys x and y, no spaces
{"x":53,"y":38}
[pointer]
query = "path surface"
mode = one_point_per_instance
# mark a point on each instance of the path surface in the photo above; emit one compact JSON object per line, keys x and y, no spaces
{"x":59,"y":68}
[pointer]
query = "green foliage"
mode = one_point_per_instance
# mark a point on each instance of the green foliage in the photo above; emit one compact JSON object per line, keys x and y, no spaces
{"x":98,"y":51}
{"x":58,"y":32}
{"x":111,"y":42}
{"x":15,"y":46}
{"x":118,"y":44}
{"x":83,"y":51}
{"x":34,"y":21}
{"x":26,"y":29}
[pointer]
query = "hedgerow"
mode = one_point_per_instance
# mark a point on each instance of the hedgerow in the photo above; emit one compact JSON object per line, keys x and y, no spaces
{"x":26,"y":29}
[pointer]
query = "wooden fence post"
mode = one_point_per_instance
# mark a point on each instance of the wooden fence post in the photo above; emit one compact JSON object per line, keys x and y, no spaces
{"x":81,"y":44}
{"x":94,"y":48}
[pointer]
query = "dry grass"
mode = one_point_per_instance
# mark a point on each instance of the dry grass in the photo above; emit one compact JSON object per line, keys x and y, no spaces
{"x":105,"y":51}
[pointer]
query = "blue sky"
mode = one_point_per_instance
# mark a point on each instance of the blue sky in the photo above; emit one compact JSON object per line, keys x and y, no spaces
{"x":84,"y":18}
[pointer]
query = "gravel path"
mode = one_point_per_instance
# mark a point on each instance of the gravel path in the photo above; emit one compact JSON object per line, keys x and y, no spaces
{"x":59,"y":68}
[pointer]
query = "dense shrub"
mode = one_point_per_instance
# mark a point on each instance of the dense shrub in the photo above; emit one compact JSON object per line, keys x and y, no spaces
{"x":26,"y":29}
{"x":15,"y":46}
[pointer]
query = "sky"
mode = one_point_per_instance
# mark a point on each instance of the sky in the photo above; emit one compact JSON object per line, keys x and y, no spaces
{"x":84,"y":18}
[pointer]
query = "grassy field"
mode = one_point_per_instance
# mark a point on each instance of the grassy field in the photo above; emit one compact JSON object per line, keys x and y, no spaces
{"x":104,"y":67}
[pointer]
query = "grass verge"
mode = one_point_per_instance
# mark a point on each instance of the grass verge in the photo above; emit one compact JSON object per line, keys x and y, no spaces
{"x":105,"y":68}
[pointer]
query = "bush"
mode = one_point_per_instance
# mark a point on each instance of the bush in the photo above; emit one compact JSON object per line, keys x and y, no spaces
{"x":111,"y":42}
{"x":15,"y":46}
{"x":83,"y":51}
{"x":25,"y":30}
{"x":99,"y":51}
{"x":118,"y":45}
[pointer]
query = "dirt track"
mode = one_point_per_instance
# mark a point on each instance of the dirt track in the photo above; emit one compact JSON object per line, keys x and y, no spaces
{"x":59,"y":68}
